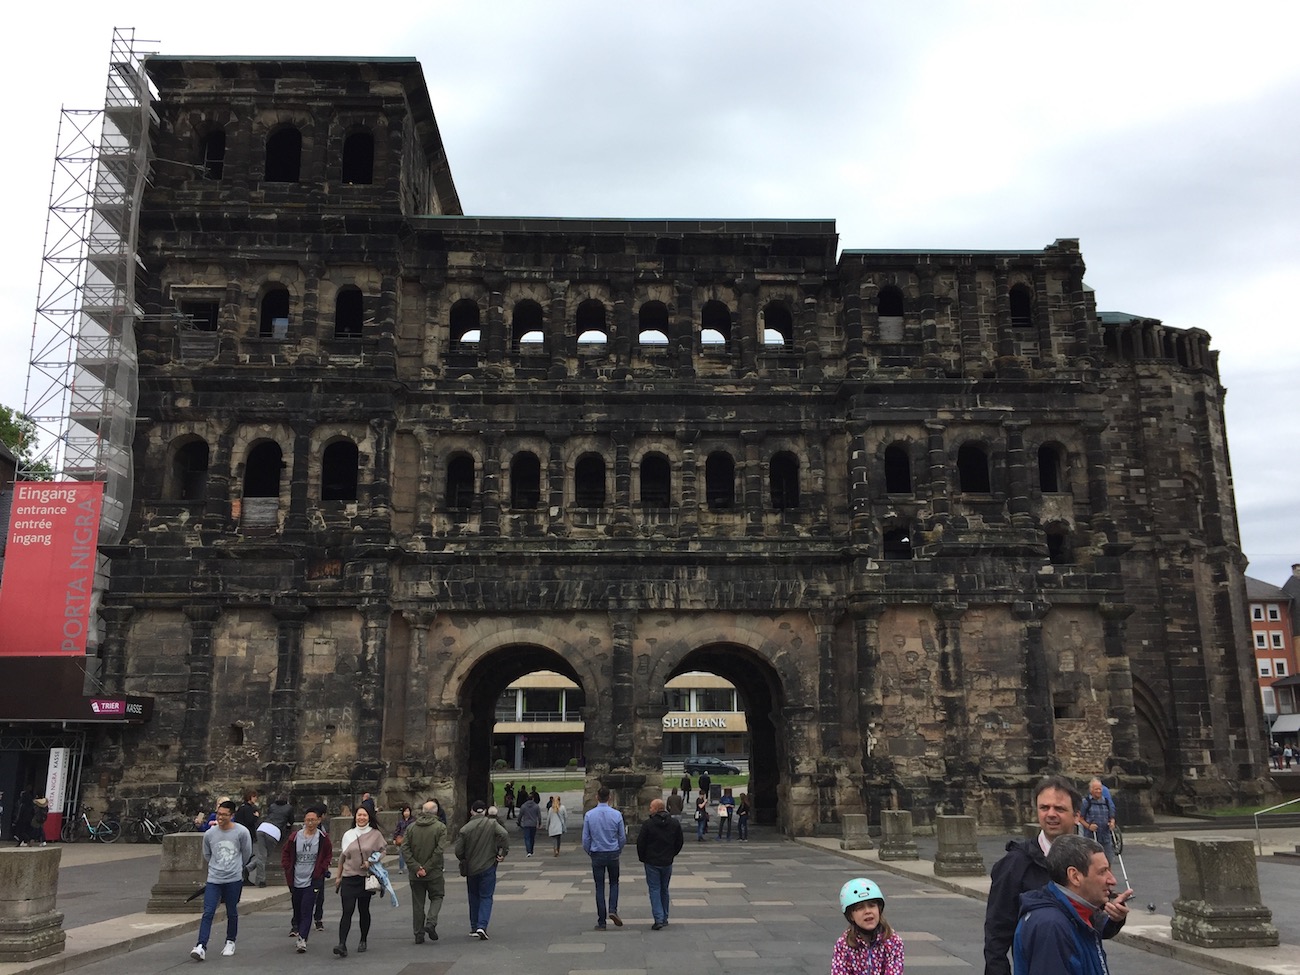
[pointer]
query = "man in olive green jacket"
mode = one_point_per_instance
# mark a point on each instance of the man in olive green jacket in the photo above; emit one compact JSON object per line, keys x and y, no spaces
{"x":481,"y":844}
{"x":423,"y":843}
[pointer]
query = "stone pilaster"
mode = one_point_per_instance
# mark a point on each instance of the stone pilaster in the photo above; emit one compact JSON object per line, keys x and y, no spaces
{"x":285,"y":703}
{"x":198,"y":694}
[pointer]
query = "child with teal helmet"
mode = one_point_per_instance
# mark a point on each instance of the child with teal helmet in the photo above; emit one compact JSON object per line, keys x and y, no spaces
{"x":869,"y":946}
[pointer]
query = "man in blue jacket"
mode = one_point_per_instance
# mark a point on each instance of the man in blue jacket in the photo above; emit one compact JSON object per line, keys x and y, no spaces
{"x":603,"y":836}
{"x":1058,"y":933}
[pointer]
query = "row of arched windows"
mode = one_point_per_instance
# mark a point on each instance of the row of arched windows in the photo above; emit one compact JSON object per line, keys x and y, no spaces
{"x":339,"y":475}
{"x":283,"y":163}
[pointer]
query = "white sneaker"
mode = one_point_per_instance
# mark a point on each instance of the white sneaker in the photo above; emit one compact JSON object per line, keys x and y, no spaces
{"x":229,"y":949}
{"x":198,"y":953}
{"x":302,"y":946}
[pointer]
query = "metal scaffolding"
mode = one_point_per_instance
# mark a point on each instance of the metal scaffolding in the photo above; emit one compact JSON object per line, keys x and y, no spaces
{"x":82,"y":378}
{"x":82,"y":375}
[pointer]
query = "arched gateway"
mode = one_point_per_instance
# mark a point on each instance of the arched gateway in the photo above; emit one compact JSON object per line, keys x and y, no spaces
{"x":626,"y":755}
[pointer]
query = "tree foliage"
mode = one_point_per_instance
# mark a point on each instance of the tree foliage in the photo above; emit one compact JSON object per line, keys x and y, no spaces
{"x":18,"y":433}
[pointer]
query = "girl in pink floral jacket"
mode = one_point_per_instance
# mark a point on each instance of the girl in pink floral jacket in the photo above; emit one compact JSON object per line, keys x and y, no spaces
{"x":869,"y":946}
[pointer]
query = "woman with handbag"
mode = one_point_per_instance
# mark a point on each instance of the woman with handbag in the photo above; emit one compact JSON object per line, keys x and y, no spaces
{"x":405,"y":819}
{"x":354,"y":867}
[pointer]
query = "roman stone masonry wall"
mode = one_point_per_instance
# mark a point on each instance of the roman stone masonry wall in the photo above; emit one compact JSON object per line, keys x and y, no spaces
{"x":933,"y":516}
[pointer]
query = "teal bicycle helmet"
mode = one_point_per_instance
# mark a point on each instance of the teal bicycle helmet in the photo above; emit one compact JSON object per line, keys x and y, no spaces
{"x":858,"y":890}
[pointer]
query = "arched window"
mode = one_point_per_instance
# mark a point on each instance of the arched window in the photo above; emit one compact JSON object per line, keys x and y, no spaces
{"x":715,"y":326}
{"x":778,"y":325}
{"x":1049,"y":469}
{"x":656,"y":481}
{"x":889,"y":302}
{"x":283,"y":155}
{"x":783,"y":481}
{"x":213,"y":154}
{"x":590,"y":321}
{"x":897,"y":544}
{"x":1022,"y":307}
{"x":359,"y":158}
{"x":526,"y":327}
{"x":338,"y":472}
{"x":652,"y":322}
{"x":720,"y":481}
{"x":459,"y":495}
{"x":898,"y":469}
{"x":262,"y":471}
{"x":1058,"y":546}
{"x":589,"y":481}
{"x":349,"y":310}
{"x":525,"y":481}
{"x":274,"y":322}
{"x":973,"y":469}
{"x":190,"y":471}
{"x":465,"y":322}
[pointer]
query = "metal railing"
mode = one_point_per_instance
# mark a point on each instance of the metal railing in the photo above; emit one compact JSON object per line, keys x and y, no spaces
{"x":1259,"y":839}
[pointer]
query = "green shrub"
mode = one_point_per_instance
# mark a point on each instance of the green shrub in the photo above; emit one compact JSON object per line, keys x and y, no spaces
{"x":499,"y":764}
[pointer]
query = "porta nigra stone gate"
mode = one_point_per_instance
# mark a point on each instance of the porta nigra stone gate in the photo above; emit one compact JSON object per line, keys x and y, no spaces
{"x":945,"y":526}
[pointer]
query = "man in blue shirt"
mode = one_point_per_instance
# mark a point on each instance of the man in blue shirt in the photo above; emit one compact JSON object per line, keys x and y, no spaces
{"x":603,"y":836}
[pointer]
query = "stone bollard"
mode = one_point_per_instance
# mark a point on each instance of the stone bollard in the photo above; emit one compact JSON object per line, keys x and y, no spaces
{"x":855,"y":832}
{"x":958,"y":855}
{"x":896,"y":835}
{"x":1218,"y":903}
{"x":181,"y":873}
{"x":30,"y":927}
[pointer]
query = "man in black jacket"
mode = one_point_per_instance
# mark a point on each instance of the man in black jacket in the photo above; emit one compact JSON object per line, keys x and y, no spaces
{"x":658,"y":843}
{"x":1024,"y":868}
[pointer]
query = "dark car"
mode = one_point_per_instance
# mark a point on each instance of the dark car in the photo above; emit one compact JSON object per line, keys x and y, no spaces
{"x":707,"y":763}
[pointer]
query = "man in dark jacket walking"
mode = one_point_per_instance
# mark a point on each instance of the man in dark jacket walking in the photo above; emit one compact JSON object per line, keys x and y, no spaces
{"x":424,"y":842}
{"x":530,"y":817}
{"x":1057,"y":934}
{"x":1024,"y":868}
{"x":658,"y":843}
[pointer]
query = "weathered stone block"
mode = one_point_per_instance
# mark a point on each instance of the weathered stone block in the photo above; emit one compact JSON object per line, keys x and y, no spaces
{"x":958,"y":854}
{"x":855,"y":836}
{"x":896,"y":835}
{"x":181,"y":873}
{"x":30,"y":927}
{"x":1218,"y":903}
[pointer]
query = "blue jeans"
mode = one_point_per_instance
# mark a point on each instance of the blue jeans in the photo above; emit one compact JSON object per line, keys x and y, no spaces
{"x":530,"y":837}
{"x":481,"y":887}
{"x":214,"y":894}
{"x":656,"y":878}
{"x":700,"y":826}
{"x":601,"y":864}
{"x":742,"y":827}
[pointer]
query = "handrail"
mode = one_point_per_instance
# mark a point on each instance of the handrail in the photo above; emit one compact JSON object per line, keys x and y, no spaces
{"x":1259,"y":840}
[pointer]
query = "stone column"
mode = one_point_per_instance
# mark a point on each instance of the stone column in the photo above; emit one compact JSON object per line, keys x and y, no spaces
{"x":810,"y":289}
{"x":958,"y":855}
{"x":1218,"y":903}
{"x":117,"y":620}
{"x":1002,"y":316}
{"x":495,"y":328}
{"x":1017,"y":473}
{"x":623,"y":326}
{"x":181,"y":872}
{"x":620,"y":524}
{"x":1039,"y":712}
{"x":285,"y":705}
{"x":557,"y":330}
{"x":309,"y":328}
{"x":1081,"y":341}
{"x":852,"y":311}
{"x":930,"y":353}
{"x":951,"y":694}
{"x":296,"y":521}
{"x":744,"y":328}
{"x":939,"y":479}
{"x":1124,"y":740}
{"x":425,"y":488}
{"x":683,"y":336}
{"x":752,"y":479}
{"x":30,"y":927}
{"x":381,"y":490}
{"x":688,"y":522}
{"x":622,"y":627}
{"x":198,"y":694}
{"x":828,"y":703}
{"x":555,"y":478}
{"x":861,"y":524}
{"x":370,"y":687}
{"x":896,"y":841}
{"x":490,"y":522}
{"x":216,"y":494}
{"x":1043,"y":318}
{"x":414,"y":714}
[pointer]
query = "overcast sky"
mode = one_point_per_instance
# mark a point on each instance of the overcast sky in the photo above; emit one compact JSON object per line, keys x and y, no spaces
{"x":1162,"y":135}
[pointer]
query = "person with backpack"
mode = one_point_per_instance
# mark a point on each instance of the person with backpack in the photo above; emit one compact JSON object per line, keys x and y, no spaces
{"x":1097,"y":816}
{"x":40,"y":813}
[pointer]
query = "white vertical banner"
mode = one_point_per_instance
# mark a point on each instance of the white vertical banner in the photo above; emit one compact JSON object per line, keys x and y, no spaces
{"x":56,"y":780}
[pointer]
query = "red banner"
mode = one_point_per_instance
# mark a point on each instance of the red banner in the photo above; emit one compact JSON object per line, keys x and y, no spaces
{"x":49,"y":571}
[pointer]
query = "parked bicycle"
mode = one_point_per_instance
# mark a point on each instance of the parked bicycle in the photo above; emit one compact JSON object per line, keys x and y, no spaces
{"x":147,"y":829}
{"x":80,"y":827}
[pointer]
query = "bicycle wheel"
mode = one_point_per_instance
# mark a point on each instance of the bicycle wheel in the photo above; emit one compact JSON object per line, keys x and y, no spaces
{"x":69,"y":832}
{"x":108,"y":831}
